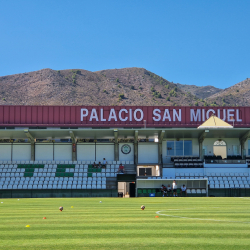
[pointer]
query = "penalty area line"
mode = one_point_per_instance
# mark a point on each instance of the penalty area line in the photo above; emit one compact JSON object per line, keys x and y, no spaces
{"x":190,"y":218}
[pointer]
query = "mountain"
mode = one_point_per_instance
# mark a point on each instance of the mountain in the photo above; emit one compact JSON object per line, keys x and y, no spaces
{"x":128,"y":86}
{"x":236,"y":95}
{"x":200,"y":92}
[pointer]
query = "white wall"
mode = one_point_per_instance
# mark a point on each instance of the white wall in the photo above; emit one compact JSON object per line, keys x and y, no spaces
{"x":86,"y":152}
{"x":209,"y":143}
{"x":5,"y":152}
{"x":147,"y":153}
{"x":126,"y":157}
{"x":44,"y":152}
{"x":21,"y":152}
{"x":63,"y":152}
{"x":106,"y":151}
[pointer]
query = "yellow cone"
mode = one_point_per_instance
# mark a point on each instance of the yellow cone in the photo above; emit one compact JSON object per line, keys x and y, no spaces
{"x":27,"y":226}
{"x":72,"y":207}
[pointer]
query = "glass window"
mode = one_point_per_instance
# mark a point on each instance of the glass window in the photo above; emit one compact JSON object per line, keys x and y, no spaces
{"x":187,"y":147}
{"x":179,"y":148}
{"x":170,"y":148}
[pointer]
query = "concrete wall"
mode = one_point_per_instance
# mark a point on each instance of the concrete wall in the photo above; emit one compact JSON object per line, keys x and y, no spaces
{"x":5,"y":152}
{"x":95,"y":152}
{"x":63,"y":152}
{"x":86,"y":152}
{"x":148,"y":153}
{"x":44,"y":151}
{"x":21,"y":152}
{"x":106,"y":151}
{"x":209,"y":143}
{"x":126,"y":157}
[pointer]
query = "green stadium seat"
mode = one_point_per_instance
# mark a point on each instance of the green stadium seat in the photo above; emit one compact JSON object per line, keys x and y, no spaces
{"x":144,"y":191}
{"x":139,"y":191}
{"x":89,"y":174}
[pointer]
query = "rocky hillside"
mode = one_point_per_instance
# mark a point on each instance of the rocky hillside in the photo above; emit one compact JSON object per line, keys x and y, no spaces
{"x":200,"y":92}
{"x":129,"y":86}
{"x":237,"y":95}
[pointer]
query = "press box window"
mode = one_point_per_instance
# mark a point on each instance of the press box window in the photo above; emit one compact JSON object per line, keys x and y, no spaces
{"x":181,"y":147}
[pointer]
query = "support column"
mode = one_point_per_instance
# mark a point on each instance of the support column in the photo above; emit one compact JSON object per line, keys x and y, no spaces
{"x":73,"y":139}
{"x":136,"y":147}
{"x":200,"y":140}
{"x":32,"y":150}
{"x":32,"y":143}
{"x":116,"y":146}
{"x":160,"y":139}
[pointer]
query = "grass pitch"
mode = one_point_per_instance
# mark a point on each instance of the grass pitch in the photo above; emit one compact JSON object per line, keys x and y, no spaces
{"x":117,"y":223}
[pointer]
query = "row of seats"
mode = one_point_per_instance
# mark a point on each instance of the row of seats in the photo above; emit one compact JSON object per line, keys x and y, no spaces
{"x":227,"y":174}
{"x":56,"y":186}
{"x":187,"y":160}
{"x":189,"y":174}
{"x":50,"y":166}
{"x":189,"y":177}
{"x":63,"y":162}
{"x":234,"y":178}
{"x":51,"y":174}
{"x":52,"y":182}
{"x":186,"y":157}
{"x":53,"y":178}
{"x":229,"y":186}
{"x":218,"y":157}
{"x":188,"y":165}
{"x":196,"y":191}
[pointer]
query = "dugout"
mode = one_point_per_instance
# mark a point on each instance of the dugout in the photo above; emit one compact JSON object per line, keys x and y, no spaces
{"x":195,"y":187}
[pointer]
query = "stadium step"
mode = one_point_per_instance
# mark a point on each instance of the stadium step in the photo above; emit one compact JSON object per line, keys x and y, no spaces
{"x":130,"y":169}
{"x":111,"y":183}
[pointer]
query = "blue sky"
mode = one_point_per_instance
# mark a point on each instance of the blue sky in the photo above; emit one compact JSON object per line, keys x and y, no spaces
{"x":201,"y":42}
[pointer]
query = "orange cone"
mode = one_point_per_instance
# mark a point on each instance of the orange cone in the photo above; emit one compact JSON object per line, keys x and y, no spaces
{"x":156,"y":216}
{"x":44,"y":218}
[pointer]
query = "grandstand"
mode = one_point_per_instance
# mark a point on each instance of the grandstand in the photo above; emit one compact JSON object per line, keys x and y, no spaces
{"x":49,"y":151}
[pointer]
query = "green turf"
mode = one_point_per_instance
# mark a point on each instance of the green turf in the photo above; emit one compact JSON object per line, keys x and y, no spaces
{"x":119,"y":223}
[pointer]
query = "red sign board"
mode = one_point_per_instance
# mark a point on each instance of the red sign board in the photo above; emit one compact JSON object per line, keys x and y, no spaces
{"x":119,"y":116}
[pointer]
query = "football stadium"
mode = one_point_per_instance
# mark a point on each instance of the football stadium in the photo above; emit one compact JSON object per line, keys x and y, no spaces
{"x":52,"y":156}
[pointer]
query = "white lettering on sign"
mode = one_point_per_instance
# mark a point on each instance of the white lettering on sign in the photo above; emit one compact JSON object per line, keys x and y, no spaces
{"x":159,"y":115}
{"x":135,"y":117}
{"x":120,"y":115}
{"x":210,"y":110}
{"x":195,"y":117}
{"x":84,"y":114}
{"x":112,"y":115}
{"x":166,"y":115}
{"x":102,"y":118}
{"x":175,"y":115}
{"x":156,"y":113}
{"x":238,"y":116}
{"x":93,"y":115}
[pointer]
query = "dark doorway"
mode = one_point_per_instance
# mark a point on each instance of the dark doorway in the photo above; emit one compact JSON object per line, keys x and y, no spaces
{"x":132,"y":189}
{"x":145,"y":171}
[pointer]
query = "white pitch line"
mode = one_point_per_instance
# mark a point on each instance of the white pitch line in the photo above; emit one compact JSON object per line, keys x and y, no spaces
{"x":181,"y":217}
